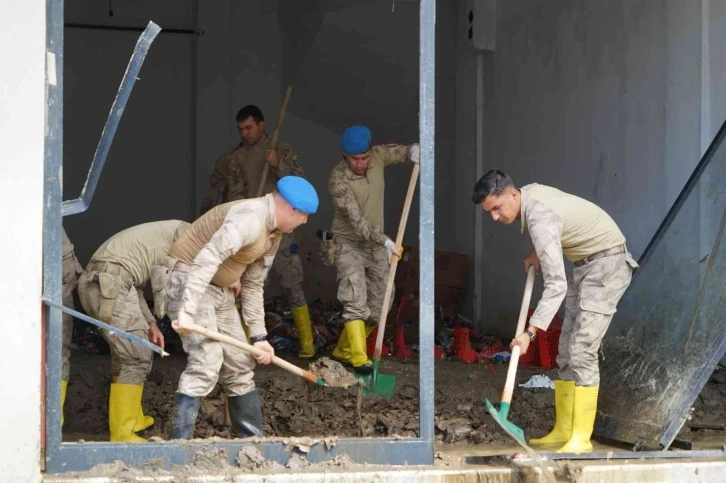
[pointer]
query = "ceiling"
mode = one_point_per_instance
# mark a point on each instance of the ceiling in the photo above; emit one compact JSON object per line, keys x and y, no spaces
{"x":353,"y":62}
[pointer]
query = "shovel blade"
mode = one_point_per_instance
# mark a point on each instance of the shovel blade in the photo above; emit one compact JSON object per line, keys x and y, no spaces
{"x":501,"y":418}
{"x":385,"y":385}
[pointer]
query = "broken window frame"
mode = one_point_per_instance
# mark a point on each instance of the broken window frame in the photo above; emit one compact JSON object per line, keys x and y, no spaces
{"x":63,"y":457}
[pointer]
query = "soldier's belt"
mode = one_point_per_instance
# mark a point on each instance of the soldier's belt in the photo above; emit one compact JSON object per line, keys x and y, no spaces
{"x":109,"y":267}
{"x":601,"y":254}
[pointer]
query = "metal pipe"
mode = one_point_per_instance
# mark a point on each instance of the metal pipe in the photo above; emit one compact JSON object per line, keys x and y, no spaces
{"x":52,"y":224}
{"x":427,"y":96}
{"x":111,"y":329}
{"x":82,"y":203}
{"x":90,"y":26}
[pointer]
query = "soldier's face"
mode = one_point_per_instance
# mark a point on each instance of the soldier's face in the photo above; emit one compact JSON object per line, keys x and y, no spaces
{"x":292,"y":220}
{"x":504,"y":208}
{"x":358,"y":163}
{"x":250,"y":131}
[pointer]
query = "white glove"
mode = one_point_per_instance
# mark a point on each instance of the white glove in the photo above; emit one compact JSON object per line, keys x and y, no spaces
{"x":415,"y":153}
{"x":393,"y":251}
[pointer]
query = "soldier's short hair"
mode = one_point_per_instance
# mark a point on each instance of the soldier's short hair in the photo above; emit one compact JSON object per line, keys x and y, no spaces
{"x":250,"y":111}
{"x":493,"y":183}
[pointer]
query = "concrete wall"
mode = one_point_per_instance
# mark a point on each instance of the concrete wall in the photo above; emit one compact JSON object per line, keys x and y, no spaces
{"x":150,"y":167}
{"x":611,"y":101}
{"x":22,"y":130}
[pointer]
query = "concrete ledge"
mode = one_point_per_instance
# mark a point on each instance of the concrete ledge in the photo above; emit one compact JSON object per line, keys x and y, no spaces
{"x":676,"y":471}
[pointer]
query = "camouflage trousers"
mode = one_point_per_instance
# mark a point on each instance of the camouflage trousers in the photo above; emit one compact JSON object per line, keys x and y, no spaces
{"x":287,"y":271}
{"x":107,"y":288}
{"x":71,"y":269}
{"x":592,"y":298}
{"x":209,"y":361}
{"x":362,"y":272}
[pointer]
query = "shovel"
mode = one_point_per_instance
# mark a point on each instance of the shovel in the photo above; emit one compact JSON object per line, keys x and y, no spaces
{"x":273,"y":142}
{"x":383,"y":384}
{"x":210,"y":334}
{"x":501,"y":416}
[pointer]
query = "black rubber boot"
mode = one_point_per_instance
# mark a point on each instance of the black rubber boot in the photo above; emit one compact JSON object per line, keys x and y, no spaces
{"x":184,"y":417}
{"x":364,"y":369}
{"x":246,"y":414}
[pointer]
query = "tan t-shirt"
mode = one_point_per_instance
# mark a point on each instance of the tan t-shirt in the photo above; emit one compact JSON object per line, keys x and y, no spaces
{"x":358,"y":200}
{"x":560,"y":223}
{"x":586,"y":228}
{"x":140,"y":247}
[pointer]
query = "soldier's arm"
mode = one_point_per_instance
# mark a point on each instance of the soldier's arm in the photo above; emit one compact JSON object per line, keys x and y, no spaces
{"x":215,"y":186}
{"x":144,"y":306}
{"x":345,"y":203}
{"x":545,"y":228}
{"x":252,"y":296}
{"x":289,"y":164}
{"x":236,"y":184}
{"x":393,"y":153}
{"x":236,"y":231}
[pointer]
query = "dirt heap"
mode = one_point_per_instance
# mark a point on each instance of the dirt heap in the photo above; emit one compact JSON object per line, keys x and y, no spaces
{"x":293,"y":408}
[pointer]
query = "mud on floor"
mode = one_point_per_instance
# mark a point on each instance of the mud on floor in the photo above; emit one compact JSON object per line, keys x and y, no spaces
{"x":293,"y":408}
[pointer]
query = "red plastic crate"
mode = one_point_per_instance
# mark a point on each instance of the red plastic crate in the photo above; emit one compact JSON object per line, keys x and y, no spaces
{"x":462,"y":346}
{"x":548,"y":346}
{"x":544,"y":352}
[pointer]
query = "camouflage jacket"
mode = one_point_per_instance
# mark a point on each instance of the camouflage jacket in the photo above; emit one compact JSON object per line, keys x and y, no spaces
{"x":217,"y":192}
{"x":358,"y":200}
{"x":248,"y":163}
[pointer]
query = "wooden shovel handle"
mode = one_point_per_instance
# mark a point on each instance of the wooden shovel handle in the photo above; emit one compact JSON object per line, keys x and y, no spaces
{"x":210,"y":334}
{"x":275,"y":135}
{"x":514,"y":360}
{"x":394,"y":263}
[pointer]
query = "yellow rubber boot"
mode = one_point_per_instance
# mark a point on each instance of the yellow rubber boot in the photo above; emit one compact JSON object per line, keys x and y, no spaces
{"x":564,"y":400}
{"x":356,"y":333}
{"x":342,"y":349}
{"x":124,"y":405}
{"x":301,"y":316}
{"x":143,"y":421}
{"x":583,"y":420}
{"x":64,"y":389}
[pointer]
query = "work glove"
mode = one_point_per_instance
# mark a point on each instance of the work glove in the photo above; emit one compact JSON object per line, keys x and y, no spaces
{"x":415,"y":154}
{"x":393,"y":250}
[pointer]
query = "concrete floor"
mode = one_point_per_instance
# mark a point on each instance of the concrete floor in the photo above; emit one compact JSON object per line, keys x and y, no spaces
{"x":468,"y":464}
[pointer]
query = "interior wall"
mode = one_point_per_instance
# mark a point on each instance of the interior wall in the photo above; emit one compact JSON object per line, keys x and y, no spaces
{"x":22,"y":132}
{"x":604,"y":100}
{"x":150,"y":167}
{"x":236,"y":68}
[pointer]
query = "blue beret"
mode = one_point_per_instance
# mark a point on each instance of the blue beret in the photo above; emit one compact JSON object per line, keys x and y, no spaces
{"x":299,"y":193}
{"x":356,"y":140}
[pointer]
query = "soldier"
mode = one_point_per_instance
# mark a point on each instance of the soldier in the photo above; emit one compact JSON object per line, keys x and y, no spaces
{"x":560,"y":223}
{"x":217,"y":191}
{"x":362,"y":251}
{"x":243,"y":178}
{"x":111,"y":290}
{"x":71,"y":270}
{"x":227,"y":251}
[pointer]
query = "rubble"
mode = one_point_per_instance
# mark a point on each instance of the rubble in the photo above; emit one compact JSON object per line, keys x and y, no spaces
{"x":296,"y":410}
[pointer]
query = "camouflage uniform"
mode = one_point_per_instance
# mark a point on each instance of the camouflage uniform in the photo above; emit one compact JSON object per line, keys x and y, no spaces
{"x":361,"y":260}
{"x":217,"y":191}
{"x":233,"y":241}
{"x":71,"y":269}
{"x":561,"y":223}
{"x":243,"y":178}
{"x":111,"y":290}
